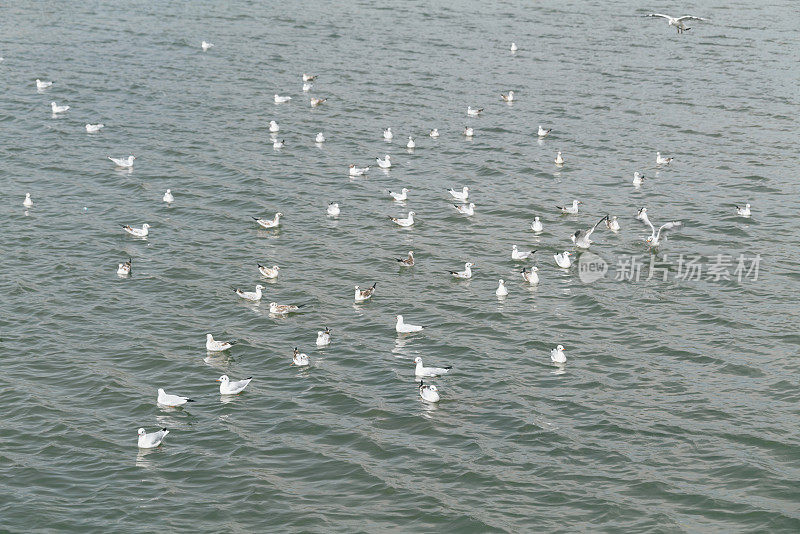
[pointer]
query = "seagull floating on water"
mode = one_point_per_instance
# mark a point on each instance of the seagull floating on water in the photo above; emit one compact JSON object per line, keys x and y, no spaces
{"x":531,"y":275}
{"x":408,"y":221}
{"x":268,"y":272}
{"x":172,"y":401}
{"x":581,"y":237}
{"x":562,"y":259}
{"x":205,"y":46}
{"x":333,"y":209}
{"x":232,"y":387}
{"x":309,"y":77}
{"x":283,"y":309}
{"x":124,"y":269}
{"x":299,"y":359}
{"x":676,"y":21}
{"x":273,"y":127}
{"x":218,"y":346}
{"x":387,"y":134}
{"x":557,"y":355}
{"x":559,"y":159}
{"x":405,"y":328}
{"x":660,"y":160}
{"x":152,"y":440}
{"x":58,"y":109}
{"x":519,"y":256}
{"x":743,"y":212}
{"x":279,"y":143}
{"x":642,"y":215}
{"x":40,"y":85}
{"x":94,"y":128}
{"x":123,"y":162}
{"x":514,"y":47}
{"x":612,"y":223}
{"x":434,"y":132}
{"x":411,"y":143}
{"x":324,"y":337}
{"x":469,"y":131}
{"x":637,"y":179}
{"x":384,"y":163}
{"x":536,"y":225}
{"x":269,"y":223}
{"x":509,"y":97}
{"x":28,"y":202}
{"x":307,"y":87}
{"x":362,"y":295}
{"x":407,"y":262}
{"x":168,"y":198}
{"x":429,"y":372}
{"x":320,"y":138}
{"x":253,"y":296}
{"x":429,"y":393}
{"x":282,"y":99}
{"x":501,"y":290}
{"x":473,"y":112}
{"x":466,"y":209}
{"x":462,"y":195}
{"x":466,"y":274}
{"x":317,"y":101}
{"x":358,"y":171}
{"x":401,"y":196}
{"x":137,"y":232}
{"x":544,"y":133}
{"x":571,"y":210}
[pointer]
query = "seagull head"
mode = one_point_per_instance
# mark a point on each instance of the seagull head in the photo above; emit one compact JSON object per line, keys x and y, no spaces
{"x":273,"y":304}
{"x":417,"y":360}
{"x":259,"y":287}
{"x":276,"y":267}
{"x":501,"y":281}
{"x":534,"y":269}
{"x":145,"y":226}
{"x":209,"y":337}
{"x":560,"y":348}
{"x":404,"y":190}
{"x":141,"y":432}
{"x":399,"y":318}
{"x":223,"y":379}
{"x":411,"y":253}
{"x":411,"y":213}
{"x":279,"y":214}
{"x":432,"y":388}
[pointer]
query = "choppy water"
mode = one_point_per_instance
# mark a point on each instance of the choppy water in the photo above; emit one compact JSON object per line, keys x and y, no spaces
{"x":677,"y":410}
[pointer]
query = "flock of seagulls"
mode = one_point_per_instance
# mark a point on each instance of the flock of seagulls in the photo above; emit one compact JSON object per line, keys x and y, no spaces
{"x":428,"y":392}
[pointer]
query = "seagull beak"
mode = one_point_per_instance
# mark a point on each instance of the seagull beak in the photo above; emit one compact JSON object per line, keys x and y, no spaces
{"x":217,"y":380}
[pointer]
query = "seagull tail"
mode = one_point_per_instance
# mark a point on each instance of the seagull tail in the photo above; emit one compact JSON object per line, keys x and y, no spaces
{"x":189,"y":400}
{"x":234,"y":342}
{"x":447,"y":367}
{"x":559,"y":207}
{"x":255,"y":218}
{"x":375,"y":284}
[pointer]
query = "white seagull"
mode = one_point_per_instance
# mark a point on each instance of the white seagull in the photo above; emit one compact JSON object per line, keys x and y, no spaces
{"x":307,"y":87}
{"x":501,"y":290}
{"x":514,"y":47}
{"x":205,"y":46}
{"x":473,"y":112}
{"x":173,"y":401}
{"x":58,"y":109}
{"x":268,"y":272}
{"x":407,"y":262}
{"x":466,"y":209}
{"x":562,"y":259}
{"x":531,"y":275}
{"x":469,"y":131}
{"x":428,"y":393}
{"x":387,"y":134}
{"x":319,"y":138}
{"x":408,"y":221}
{"x":466,"y":274}
{"x":282,"y":99}
{"x":273,"y":127}
{"x":743,"y":212}
{"x":404,"y":328}
{"x":40,"y":85}
{"x":536,"y":225}
{"x":461,"y":196}
{"x":124,"y":269}
{"x":384,"y":163}
{"x":299,"y":359}
{"x":333,"y":209}
{"x":317,"y":101}
{"x":123,"y":162}
{"x":28,"y":203}
{"x":168,"y":198}
{"x":411,"y":143}
{"x":152,"y":440}
{"x":572,"y":210}
{"x":544,"y":133}
{"x":309,"y":77}
{"x":509,"y":97}
{"x":136,"y":232}
{"x":278,"y":143}
{"x":401,"y":196}
{"x":612,"y":223}
{"x":269,"y":223}
{"x":637,"y":179}
{"x":324,"y":337}
{"x":434,"y":132}
{"x":559,"y":159}
{"x":557,"y":355}
{"x":283,"y":309}
{"x":358,"y":171}
{"x":581,"y":237}
{"x":676,"y":21}
{"x":94,"y":128}
{"x":217,"y":346}
{"x":642,"y":215}
{"x":228,"y":387}
{"x":519,"y":256}
{"x":362,"y":295}
{"x":660,"y":160}
{"x":429,"y":372}
{"x":253,"y":296}
{"x":655,"y":237}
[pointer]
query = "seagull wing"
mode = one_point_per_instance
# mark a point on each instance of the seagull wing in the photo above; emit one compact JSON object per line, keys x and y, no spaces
{"x":668,"y":226}
{"x":689,"y":17}
{"x":593,"y":228}
{"x":659,"y":15}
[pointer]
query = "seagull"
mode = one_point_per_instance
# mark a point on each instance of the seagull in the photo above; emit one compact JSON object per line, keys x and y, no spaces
{"x":228,"y":387}
{"x":514,"y":47}
{"x":136,"y":232}
{"x":544,"y":133}
{"x":401,"y":196}
{"x":299,"y":359}
{"x":467,"y":209}
{"x":123,"y":162}
{"x":429,"y":372}
{"x":562,"y":259}
{"x":152,"y":440}
{"x":612,"y":223}
{"x":407,"y":262}
{"x":279,"y":144}
{"x":403,"y":328}
{"x":387,"y":134}
{"x":408,"y":221}
{"x":581,"y":237}
{"x":637,"y":179}
{"x":501,"y":290}
{"x":662,"y":160}
{"x":676,"y":21}
{"x":384,"y":163}
{"x":28,"y":203}
{"x":466,"y":274}
{"x":434,"y":132}
{"x":509,"y":97}
{"x":282,"y":99}
{"x":559,"y":160}
{"x":217,"y":346}
{"x":333,"y":209}
{"x":268,"y":272}
{"x":530,"y":276}
{"x":572,"y":210}
{"x":411,"y":143}
{"x":309,"y":77}
{"x":40,"y":85}
{"x":205,"y":46}
{"x":642,"y":215}
{"x":473,"y":112}
{"x":428,"y":393}
{"x":536,"y":225}
{"x":168,"y":198}
{"x":58,"y":109}
{"x":358,"y":171}
{"x":171,"y":400}
{"x":307,"y":87}
{"x":124,"y":269}
{"x":557,"y":355}
{"x":654,"y":238}
{"x":269,"y":223}
{"x":365,"y":294}
{"x":317,"y":101}
{"x":283,"y":309}
{"x":742,"y":212}
{"x":519,"y":256}
{"x":469,"y":131}
{"x":324,"y":337}
{"x":253,"y":296}
{"x":461,"y":196}
{"x":320,"y":138}
{"x":94,"y":128}
{"x":273,"y":127}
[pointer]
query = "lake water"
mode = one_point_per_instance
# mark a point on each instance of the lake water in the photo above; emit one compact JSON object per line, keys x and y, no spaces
{"x":677,"y":410}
